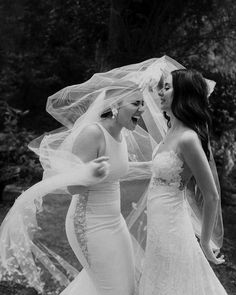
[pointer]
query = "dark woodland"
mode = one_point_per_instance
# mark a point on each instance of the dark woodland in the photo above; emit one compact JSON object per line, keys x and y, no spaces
{"x":47,"y":45}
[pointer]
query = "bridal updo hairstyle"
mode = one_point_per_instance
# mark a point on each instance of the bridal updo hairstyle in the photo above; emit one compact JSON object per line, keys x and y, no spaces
{"x":190,"y":103}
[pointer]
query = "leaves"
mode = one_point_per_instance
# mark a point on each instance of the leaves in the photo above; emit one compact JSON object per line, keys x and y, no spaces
{"x":46,"y":45}
{"x":15,"y":156}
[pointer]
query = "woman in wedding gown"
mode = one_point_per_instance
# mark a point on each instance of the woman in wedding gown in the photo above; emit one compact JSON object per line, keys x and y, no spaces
{"x":95,"y":228}
{"x":175,"y":263}
{"x":74,"y":160}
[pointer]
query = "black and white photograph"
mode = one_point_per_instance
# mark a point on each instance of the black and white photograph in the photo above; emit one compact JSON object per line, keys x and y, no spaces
{"x":118,"y":147}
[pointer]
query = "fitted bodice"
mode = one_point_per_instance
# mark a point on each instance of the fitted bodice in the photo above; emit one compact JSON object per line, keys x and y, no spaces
{"x":167,"y":168}
{"x":118,"y":155}
{"x":105,"y":196}
{"x":99,"y":207}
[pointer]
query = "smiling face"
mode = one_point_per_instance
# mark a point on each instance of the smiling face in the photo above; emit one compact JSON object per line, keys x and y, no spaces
{"x":129,"y":112}
{"x":166,"y":94}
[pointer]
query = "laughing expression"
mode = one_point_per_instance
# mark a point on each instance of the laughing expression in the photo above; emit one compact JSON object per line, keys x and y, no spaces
{"x":130,"y":113}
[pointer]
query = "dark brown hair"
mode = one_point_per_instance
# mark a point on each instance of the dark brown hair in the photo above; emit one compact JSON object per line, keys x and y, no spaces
{"x":190,"y":103}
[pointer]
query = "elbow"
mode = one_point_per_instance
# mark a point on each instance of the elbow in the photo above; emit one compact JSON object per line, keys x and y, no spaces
{"x":214,"y":197}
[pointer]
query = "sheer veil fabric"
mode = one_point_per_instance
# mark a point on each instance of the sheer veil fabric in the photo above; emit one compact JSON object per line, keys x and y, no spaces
{"x":76,"y":107}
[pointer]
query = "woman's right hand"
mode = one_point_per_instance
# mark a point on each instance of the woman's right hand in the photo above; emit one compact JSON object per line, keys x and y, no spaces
{"x":211,"y":254}
{"x":100,"y":167}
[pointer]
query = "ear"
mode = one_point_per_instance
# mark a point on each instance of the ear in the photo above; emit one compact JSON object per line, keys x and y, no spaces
{"x":114,"y":112}
{"x":116,"y":105}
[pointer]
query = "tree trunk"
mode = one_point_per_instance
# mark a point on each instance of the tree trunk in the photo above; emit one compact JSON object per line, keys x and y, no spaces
{"x":132,"y":29}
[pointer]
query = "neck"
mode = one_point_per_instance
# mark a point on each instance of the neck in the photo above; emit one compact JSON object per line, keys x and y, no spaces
{"x":175,"y":123}
{"x":112,"y":127}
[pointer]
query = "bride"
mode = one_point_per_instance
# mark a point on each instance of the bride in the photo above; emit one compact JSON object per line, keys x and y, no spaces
{"x":95,"y":228}
{"x":174,"y":261}
{"x":96,"y":114}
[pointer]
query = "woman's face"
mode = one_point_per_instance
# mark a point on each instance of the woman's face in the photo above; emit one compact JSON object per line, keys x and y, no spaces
{"x":166,"y":94}
{"x":129,"y":113}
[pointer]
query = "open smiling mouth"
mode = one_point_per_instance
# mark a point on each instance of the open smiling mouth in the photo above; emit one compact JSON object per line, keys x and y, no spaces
{"x":135,"y":119}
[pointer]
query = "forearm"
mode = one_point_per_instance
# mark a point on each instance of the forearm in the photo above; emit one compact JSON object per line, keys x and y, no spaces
{"x":138,"y":170}
{"x":209,"y":215}
{"x":77,"y":189}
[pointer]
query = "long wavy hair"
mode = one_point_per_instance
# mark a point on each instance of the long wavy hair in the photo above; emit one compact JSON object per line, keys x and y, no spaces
{"x":190,"y":104}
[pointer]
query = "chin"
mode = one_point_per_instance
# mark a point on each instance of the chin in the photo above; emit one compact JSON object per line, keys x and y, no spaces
{"x":131,"y":127}
{"x":164,"y":109}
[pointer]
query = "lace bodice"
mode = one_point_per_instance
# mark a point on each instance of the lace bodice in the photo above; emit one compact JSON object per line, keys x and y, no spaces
{"x":167,"y":168}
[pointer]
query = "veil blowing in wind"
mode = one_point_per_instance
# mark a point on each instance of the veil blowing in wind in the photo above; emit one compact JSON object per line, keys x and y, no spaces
{"x":22,"y":258}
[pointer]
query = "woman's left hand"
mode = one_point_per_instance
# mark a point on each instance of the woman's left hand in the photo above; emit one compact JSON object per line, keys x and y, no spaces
{"x":212,"y":255}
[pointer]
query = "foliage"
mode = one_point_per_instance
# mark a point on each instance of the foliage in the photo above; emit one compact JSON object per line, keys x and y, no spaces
{"x":201,"y":31}
{"x":46,"y":45}
{"x":14,"y":146}
{"x":223,"y":102}
{"x":223,"y":110}
{"x":56,"y":46}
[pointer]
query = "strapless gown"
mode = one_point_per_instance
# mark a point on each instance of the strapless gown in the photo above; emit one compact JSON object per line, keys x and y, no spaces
{"x":174,"y":262}
{"x":98,"y":234}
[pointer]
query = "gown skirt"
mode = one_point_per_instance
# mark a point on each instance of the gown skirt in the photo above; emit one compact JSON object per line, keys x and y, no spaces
{"x":174,"y":262}
{"x":100,"y":239}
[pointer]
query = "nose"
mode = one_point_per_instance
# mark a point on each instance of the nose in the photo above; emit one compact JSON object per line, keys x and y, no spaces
{"x":161,"y":92}
{"x":141,"y":108}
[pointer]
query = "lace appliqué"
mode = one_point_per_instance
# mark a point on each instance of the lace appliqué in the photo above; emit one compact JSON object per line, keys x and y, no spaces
{"x":156,"y":267}
{"x":167,"y":167}
{"x":80,"y":223}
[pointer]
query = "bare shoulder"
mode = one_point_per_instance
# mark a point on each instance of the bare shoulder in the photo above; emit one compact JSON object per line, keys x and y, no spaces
{"x":88,"y":144}
{"x":195,"y":158}
{"x":189,"y":140}
{"x":93,"y":132}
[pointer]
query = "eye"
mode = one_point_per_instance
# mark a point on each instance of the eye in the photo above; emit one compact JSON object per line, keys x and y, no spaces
{"x":166,"y":86}
{"x":137,"y":103}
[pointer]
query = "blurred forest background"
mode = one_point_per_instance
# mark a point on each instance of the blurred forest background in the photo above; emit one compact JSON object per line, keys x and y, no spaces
{"x":47,"y":45}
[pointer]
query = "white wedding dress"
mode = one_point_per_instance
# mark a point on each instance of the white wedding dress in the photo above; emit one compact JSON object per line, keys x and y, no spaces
{"x":174,"y":262}
{"x":98,"y":234}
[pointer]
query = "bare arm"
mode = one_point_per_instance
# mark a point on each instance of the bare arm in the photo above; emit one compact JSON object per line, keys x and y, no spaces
{"x":138,"y":171}
{"x":87,"y":149}
{"x":195,"y":158}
